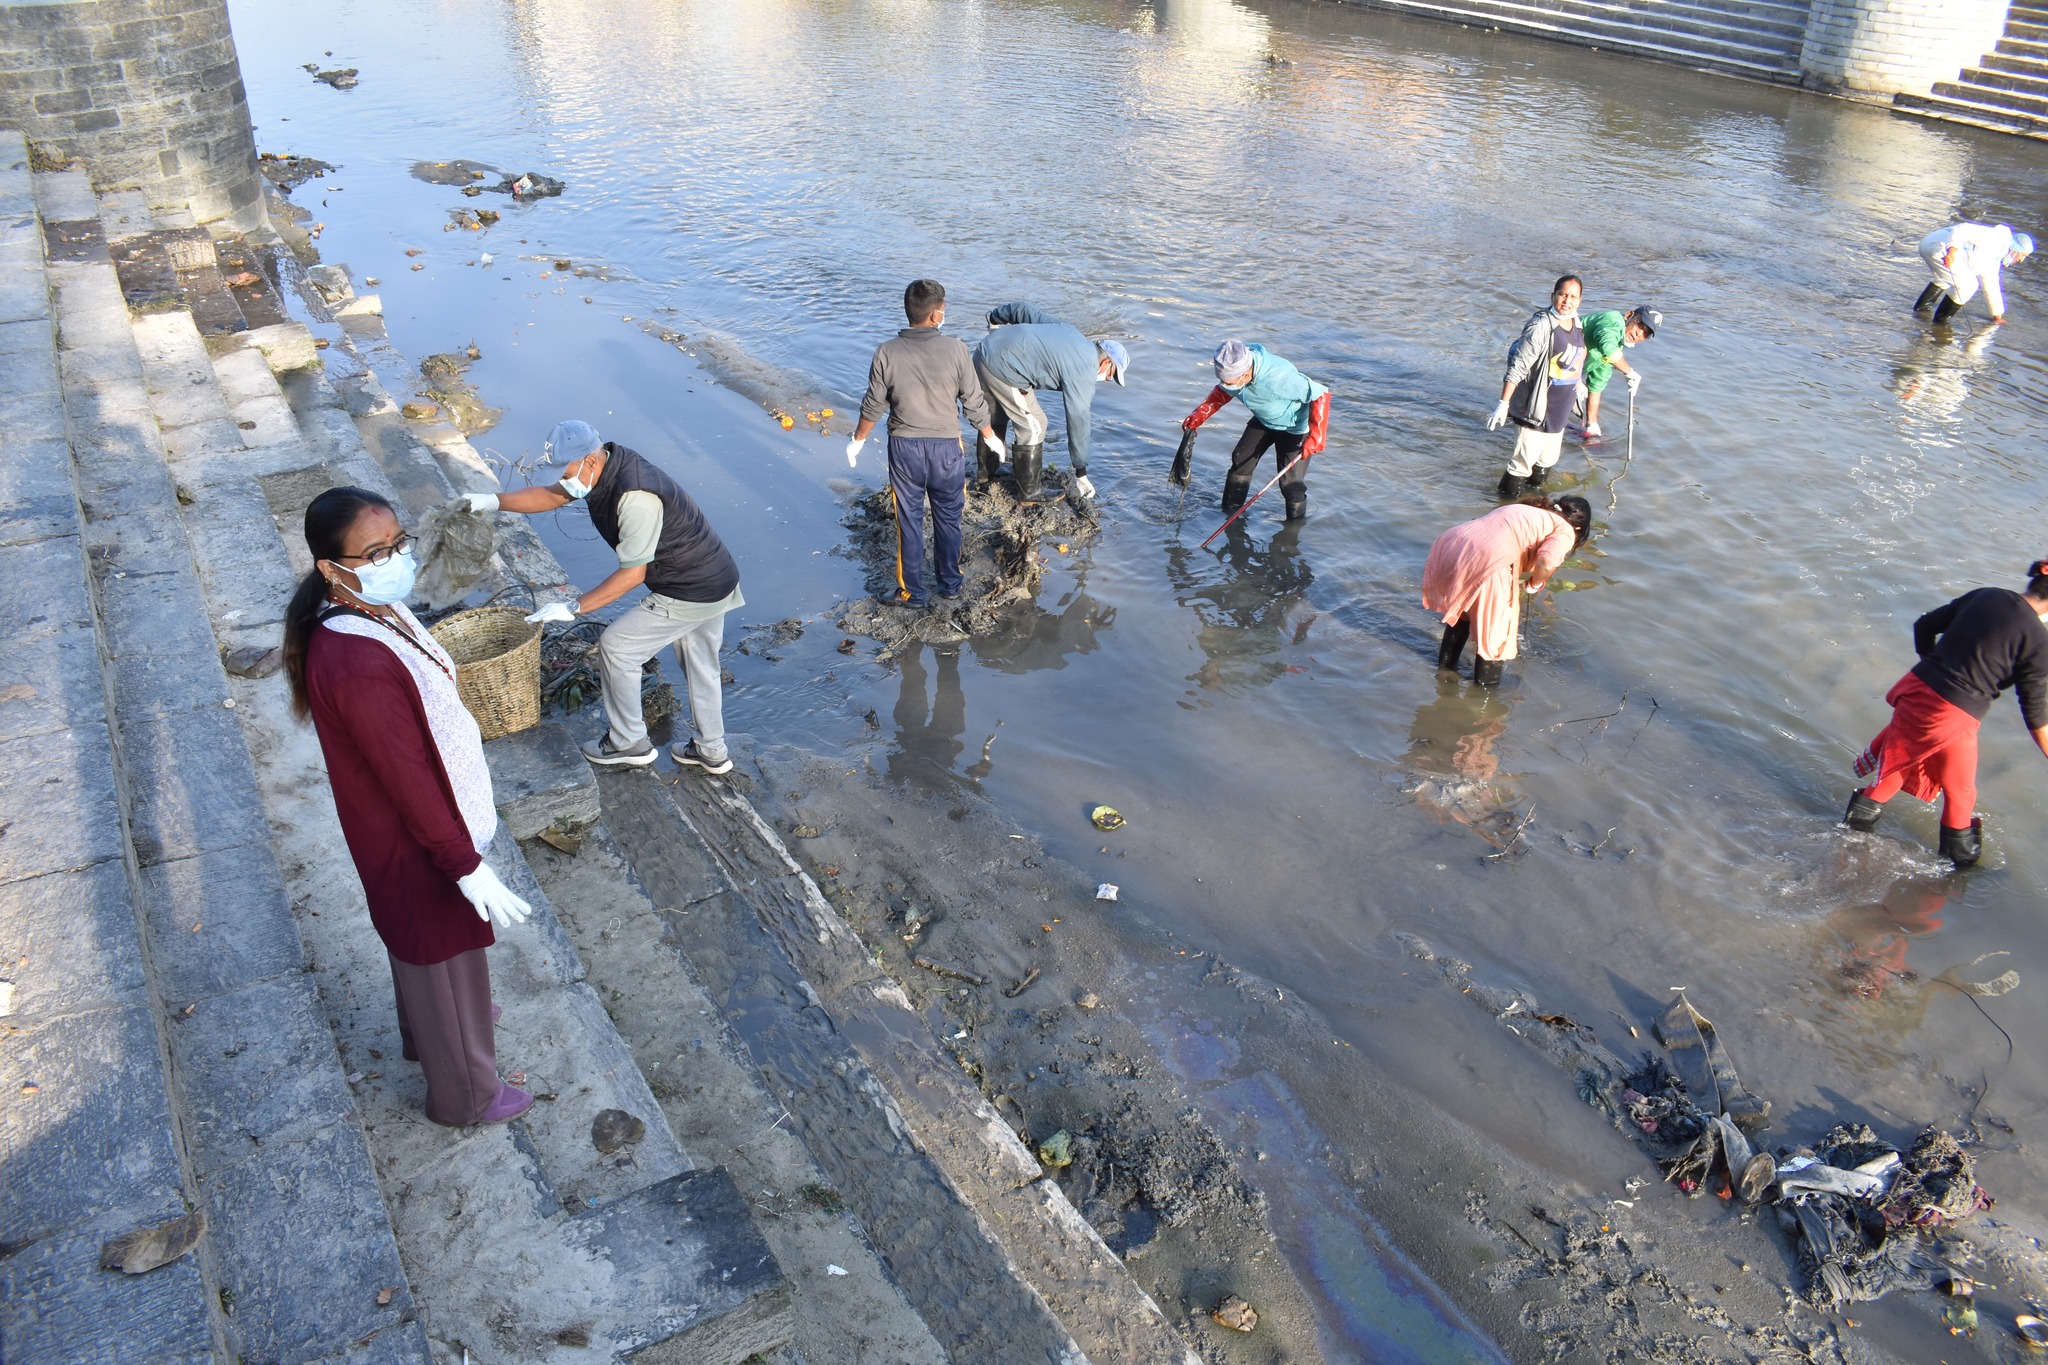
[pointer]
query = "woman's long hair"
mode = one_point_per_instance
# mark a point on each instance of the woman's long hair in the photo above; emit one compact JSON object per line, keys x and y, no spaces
{"x":1573,"y":508}
{"x":328,"y":519}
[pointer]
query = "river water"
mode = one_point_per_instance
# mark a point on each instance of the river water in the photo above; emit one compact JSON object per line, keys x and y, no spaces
{"x":1381,"y":200}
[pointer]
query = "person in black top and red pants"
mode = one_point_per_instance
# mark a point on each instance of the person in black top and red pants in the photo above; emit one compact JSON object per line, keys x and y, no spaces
{"x":1970,"y":650}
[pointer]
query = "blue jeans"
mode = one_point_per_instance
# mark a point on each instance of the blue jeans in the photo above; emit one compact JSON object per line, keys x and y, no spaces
{"x":922,"y":467}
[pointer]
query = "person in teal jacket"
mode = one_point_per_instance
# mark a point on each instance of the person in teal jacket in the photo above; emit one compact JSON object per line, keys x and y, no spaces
{"x":1290,"y":414}
{"x":1025,"y":350}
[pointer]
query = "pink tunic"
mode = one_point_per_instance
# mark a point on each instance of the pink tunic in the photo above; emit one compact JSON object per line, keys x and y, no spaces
{"x":1476,"y":568}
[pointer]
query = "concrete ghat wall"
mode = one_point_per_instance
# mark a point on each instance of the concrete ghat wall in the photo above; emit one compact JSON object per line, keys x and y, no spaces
{"x":147,"y":94}
{"x":1883,"y":47}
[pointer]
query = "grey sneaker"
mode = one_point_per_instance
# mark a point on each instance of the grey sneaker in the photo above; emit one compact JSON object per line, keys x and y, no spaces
{"x":600,"y":750}
{"x":690,"y":756}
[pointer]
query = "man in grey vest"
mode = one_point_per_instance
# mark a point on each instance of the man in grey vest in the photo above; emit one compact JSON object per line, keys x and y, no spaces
{"x":663,"y":542}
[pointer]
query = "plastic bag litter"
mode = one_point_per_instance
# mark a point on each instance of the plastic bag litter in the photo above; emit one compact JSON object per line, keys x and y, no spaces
{"x":455,"y":547}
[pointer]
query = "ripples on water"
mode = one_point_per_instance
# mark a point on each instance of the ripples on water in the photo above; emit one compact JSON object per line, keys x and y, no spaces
{"x":1382,"y":201}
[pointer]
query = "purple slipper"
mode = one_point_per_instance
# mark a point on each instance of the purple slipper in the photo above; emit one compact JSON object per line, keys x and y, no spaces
{"x":510,"y":1104}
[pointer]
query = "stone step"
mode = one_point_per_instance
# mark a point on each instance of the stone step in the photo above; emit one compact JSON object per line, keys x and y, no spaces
{"x":267,"y":1132}
{"x":2022,"y":47}
{"x":2019,"y":101}
{"x":1972,"y":112}
{"x":2013,"y":66}
{"x":1783,"y":35}
{"x":2031,"y":32}
{"x":1756,"y":61}
{"x":1987,"y":79}
{"x":87,"y":1132}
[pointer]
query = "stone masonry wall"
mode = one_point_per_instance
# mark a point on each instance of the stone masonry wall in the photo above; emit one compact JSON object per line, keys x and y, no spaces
{"x":1883,"y":47}
{"x":147,"y":94}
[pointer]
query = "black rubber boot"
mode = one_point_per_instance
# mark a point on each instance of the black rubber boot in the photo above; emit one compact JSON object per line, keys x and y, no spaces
{"x":1027,"y":467}
{"x":1927,"y":298}
{"x":1512,"y":486}
{"x":1297,"y":503}
{"x":1946,"y":309}
{"x":1487,"y":672}
{"x":1538,"y":476}
{"x":1235,"y":491}
{"x":1863,"y":813}
{"x":1963,"y":846}
{"x":1453,"y":645}
{"x":991,"y":467}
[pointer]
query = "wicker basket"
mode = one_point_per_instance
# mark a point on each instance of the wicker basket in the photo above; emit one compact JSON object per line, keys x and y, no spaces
{"x":497,"y":667}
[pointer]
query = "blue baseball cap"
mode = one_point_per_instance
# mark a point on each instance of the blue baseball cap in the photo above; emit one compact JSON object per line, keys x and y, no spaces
{"x":1118,"y":358}
{"x":569,"y":442}
{"x":2023,"y":244}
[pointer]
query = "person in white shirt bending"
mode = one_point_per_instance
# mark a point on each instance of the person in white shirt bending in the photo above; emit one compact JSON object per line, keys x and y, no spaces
{"x":1966,"y":257}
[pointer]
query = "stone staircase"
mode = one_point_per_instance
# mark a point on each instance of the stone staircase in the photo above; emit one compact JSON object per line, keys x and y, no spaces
{"x":1759,"y":39}
{"x":195,"y":1015}
{"x":2006,"y":91}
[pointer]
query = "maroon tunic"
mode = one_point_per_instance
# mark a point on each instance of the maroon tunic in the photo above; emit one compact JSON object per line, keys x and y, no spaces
{"x":397,"y":807}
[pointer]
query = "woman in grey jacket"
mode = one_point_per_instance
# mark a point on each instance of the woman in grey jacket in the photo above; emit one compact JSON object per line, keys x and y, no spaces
{"x":1541,"y":387}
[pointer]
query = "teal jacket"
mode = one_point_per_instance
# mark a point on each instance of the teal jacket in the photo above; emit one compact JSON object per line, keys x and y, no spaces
{"x":1028,"y":349}
{"x":1279,"y":394}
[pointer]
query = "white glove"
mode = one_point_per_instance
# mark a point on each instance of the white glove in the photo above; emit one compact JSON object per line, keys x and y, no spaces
{"x":994,"y":443}
{"x":1532,"y":588}
{"x":1500,"y":415}
{"x":494,"y":901}
{"x":481,"y":502}
{"x":1084,"y":485}
{"x":553,"y":611}
{"x":853,"y":452}
{"x":1635,"y":381}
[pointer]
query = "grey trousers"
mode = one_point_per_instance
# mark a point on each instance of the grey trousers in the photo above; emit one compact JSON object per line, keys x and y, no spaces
{"x":1012,"y":409}
{"x":638,"y":636}
{"x":1534,"y":450}
{"x":444,"y":1017}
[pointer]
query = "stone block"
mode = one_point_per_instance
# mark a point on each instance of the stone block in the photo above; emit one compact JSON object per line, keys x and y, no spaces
{"x":118,"y":478}
{"x":241,"y":557}
{"x":541,"y":956}
{"x":153,"y":686}
{"x":92,"y":1144}
{"x":199,"y":442}
{"x":191,"y":786}
{"x":28,"y":359}
{"x":37,"y":418}
{"x":57,"y":1307}
{"x":182,"y":387}
{"x":702,"y":1285}
{"x":266,"y":421}
{"x":304,"y":1246}
{"x":541,"y":780}
{"x":245,"y":375}
{"x":405,"y":1344}
{"x":51,"y":683}
{"x":57,"y":802}
{"x":66,"y":196}
{"x":42,"y":589}
{"x":152,"y":613}
{"x":69,"y":943}
{"x":37,"y":501}
{"x":257,"y":1070}
{"x":134,"y":543}
{"x":219,"y":922}
{"x":24,"y":289}
{"x":285,"y":346}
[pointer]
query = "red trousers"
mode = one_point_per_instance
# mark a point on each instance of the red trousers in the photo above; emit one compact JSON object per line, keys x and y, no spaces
{"x":1928,"y":750}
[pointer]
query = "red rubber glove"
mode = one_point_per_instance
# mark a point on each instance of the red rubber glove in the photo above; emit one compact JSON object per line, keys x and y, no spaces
{"x":1205,"y":409}
{"x":1318,"y":427}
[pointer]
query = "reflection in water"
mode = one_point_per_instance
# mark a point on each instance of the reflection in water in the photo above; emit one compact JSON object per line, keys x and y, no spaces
{"x":1255,"y":607}
{"x":1032,"y":638}
{"x":1451,"y":749}
{"x":1876,"y":999}
{"x":1932,"y":377}
{"x":928,"y":738}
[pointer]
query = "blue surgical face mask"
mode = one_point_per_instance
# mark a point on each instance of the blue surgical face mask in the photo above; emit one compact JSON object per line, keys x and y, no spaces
{"x":574,"y":487}
{"x":389,"y":582}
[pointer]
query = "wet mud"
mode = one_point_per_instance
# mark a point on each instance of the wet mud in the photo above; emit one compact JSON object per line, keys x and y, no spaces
{"x":1004,"y":550}
{"x":447,"y":383}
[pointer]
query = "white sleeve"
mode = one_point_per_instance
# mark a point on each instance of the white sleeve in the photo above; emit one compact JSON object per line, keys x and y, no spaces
{"x":1994,"y":294}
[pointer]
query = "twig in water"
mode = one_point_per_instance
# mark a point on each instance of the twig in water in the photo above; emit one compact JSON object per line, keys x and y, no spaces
{"x":1515,"y":838}
{"x":1594,"y":851}
{"x":957,"y":973}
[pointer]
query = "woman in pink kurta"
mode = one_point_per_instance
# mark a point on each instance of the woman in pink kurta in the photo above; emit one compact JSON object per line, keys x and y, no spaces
{"x":1475,"y":569}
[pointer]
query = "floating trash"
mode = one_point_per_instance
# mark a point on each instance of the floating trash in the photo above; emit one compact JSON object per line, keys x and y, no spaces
{"x":1057,"y":1151}
{"x":1106,"y":891}
{"x":2032,"y":1331}
{"x":1106,"y":818}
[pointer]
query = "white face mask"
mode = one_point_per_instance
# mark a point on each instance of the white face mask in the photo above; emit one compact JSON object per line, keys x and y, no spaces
{"x":389,"y":582}
{"x":574,"y":486}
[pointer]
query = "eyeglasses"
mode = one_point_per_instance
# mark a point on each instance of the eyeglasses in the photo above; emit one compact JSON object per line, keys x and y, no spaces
{"x":382,"y":554}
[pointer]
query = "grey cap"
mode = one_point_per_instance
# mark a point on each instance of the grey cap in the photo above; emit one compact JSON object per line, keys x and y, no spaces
{"x":1233,"y":358}
{"x":1118,"y":358}
{"x":1647,"y":317}
{"x":2023,"y":244}
{"x":569,"y":442}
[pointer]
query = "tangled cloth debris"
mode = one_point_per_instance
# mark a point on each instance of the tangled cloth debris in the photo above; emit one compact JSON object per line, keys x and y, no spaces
{"x":455,"y":546}
{"x":1865,"y":1218}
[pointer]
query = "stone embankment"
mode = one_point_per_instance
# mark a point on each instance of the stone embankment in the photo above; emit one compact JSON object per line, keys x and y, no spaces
{"x":748,"y":1142}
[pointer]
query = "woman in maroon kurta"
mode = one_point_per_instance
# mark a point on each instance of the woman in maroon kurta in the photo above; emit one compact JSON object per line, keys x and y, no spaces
{"x":405,"y":762}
